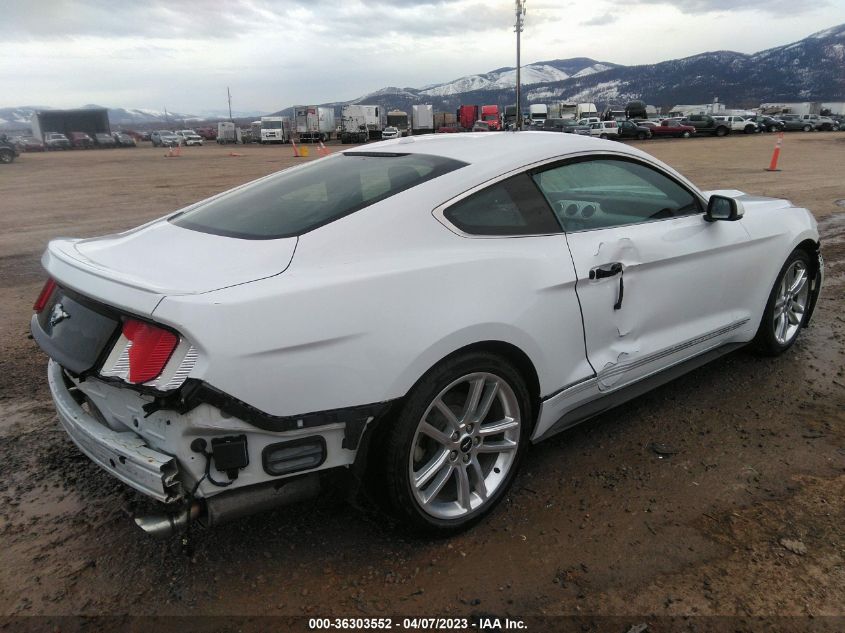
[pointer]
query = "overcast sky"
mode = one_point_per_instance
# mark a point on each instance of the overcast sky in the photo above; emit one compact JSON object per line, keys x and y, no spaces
{"x":273,"y":53}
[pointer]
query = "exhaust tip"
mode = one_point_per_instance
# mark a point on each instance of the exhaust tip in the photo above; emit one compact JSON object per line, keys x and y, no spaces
{"x":163,"y":525}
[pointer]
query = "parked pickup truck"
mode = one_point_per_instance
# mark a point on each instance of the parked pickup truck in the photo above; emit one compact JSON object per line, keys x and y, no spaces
{"x":739,"y":123}
{"x":706,"y":124}
{"x":8,"y":151}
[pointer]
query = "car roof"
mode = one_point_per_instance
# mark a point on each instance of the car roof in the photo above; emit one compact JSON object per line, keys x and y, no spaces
{"x":501,"y":151}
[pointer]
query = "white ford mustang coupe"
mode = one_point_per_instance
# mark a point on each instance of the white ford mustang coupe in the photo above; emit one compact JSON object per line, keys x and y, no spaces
{"x":412,"y":315}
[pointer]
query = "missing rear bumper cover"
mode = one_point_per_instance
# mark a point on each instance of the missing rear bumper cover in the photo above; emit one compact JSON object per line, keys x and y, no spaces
{"x":196,"y":392}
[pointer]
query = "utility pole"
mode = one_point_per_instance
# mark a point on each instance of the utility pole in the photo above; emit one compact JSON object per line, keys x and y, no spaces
{"x":229,"y":97}
{"x":520,"y":20}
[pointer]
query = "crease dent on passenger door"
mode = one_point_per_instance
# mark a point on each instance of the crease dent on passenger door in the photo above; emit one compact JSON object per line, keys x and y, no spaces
{"x":627,"y":344}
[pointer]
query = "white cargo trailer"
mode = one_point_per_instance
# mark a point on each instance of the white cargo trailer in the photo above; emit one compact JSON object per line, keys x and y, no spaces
{"x":314,"y":123}
{"x":275,"y":129}
{"x":361,"y":123}
{"x":226,"y":133}
{"x":422,"y":119}
{"x":563,"y":110}
{"x":586,"y":110}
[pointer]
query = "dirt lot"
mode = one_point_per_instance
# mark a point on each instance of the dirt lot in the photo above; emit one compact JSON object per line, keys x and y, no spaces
{"x":746,"y":519}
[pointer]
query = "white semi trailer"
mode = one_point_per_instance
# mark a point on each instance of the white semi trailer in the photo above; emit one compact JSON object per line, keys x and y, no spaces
{"x":563,"y":110}
{"x":361,"y":123}
{"x":422,"y":119}
{"x":314,"y":123}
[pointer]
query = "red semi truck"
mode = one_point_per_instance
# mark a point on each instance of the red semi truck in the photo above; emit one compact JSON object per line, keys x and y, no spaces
{"x":490,"y":115}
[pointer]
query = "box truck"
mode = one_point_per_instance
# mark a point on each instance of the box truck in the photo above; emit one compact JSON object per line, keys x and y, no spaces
{"x":275,"y":129}
{"x":422,"y":119}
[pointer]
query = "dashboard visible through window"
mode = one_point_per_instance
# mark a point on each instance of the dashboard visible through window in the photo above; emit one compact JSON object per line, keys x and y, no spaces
{"x":604,"y":192}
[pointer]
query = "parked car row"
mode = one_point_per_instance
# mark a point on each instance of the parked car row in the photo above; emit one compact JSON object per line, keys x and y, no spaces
{"x":166,"y":138}
{"x":75,"y":140}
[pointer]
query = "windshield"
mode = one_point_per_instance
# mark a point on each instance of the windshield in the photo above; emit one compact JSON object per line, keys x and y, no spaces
{"x":271,"y":125}
{"x":296,"y":201}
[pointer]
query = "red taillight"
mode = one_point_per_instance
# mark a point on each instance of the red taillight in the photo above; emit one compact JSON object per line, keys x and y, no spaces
{"x":44,"y":296}
{"x":151,"y":349}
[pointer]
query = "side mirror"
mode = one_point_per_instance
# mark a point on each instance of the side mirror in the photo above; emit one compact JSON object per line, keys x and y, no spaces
{"x":723,"y":208}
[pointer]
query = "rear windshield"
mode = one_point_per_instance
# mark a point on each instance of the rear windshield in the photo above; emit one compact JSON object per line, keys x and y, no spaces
{"x":296,"y":201}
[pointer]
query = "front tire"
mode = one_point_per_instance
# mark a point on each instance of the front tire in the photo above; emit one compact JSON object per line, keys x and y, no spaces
{"x":454,"y":449}
{"x":787,"y":308}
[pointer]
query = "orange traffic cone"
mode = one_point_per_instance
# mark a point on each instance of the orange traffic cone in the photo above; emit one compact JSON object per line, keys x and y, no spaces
{"x":773,"y":165}
{"x":323,"y":149}
{"x":295,"y":150}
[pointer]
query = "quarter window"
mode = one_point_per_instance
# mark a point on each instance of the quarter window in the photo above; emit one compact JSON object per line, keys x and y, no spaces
{"x":510,"y":207}
{"x":600,"y":193}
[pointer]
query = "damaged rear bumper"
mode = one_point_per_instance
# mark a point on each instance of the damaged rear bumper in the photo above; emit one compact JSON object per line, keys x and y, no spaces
{"x":125,"y":455}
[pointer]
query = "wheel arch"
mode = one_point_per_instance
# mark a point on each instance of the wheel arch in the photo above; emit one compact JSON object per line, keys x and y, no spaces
{"x":813,"y":249}
{"x":364,"y":469}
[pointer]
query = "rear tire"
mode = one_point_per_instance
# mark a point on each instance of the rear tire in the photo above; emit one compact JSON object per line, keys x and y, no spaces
{"x":720,"y":131}
{"x":807,"y":128}
{"x":6,"y":156}
{"x":452,"y":452}
{"x":787,"y":308}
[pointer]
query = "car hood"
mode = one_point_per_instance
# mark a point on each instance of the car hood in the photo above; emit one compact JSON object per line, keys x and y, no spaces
{"x":165,"y":259}
{"x":750,"y":201}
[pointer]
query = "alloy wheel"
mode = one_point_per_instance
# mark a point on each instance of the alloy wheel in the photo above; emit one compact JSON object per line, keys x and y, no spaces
{"x":791,"y":302}
{"x":465,"y":445}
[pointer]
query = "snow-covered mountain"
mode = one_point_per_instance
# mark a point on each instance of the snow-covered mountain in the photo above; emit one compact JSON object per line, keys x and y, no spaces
{"x":502,"y":78}
{"x":812,"y":69}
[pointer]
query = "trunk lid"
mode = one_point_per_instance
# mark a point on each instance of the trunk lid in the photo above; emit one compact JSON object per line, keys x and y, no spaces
{"x":164,"y":259}
{"x":135,"y":270}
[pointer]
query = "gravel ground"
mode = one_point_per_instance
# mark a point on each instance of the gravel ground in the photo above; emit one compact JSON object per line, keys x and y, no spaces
{"x":744,"y":519}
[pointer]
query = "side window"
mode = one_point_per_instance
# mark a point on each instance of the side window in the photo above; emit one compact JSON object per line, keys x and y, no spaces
{"x":509,"y":207}
{"x":600,"y":193}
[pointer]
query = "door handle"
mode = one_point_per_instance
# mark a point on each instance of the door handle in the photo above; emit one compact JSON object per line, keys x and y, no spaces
{"x":611,"y":270}
{"x":605,"y":271}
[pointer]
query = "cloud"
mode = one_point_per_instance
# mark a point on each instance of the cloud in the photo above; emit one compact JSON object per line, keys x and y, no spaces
{"x":599,"y":20}
{"x":201,"y":20}
{"x":776,"y":7}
